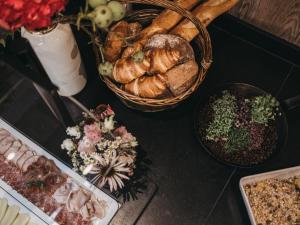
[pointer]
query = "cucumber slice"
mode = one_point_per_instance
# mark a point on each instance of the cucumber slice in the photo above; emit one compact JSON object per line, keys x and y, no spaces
{"x":10,"y":215}
{"x":3,"y":207}
{"x":22,"y":219}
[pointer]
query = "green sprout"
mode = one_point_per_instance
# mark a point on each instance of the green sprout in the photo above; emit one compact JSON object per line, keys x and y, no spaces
{"x":223,"y":117}
{"x":264,"y":108}
{"x":239,"y":138}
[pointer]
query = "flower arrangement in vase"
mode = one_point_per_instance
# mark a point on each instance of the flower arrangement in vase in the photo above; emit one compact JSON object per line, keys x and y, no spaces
{"x":48,"y":31}
{"x":99,"y":147}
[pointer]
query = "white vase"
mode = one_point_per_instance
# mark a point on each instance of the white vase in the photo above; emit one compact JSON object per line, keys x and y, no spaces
{"x":58,"y":52}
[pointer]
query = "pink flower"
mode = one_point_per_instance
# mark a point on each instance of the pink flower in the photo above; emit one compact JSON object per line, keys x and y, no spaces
{"x":86,"y":146}
{"x":124,"y":134}
{"x":103,"y":111}
{"x":92,"y":132}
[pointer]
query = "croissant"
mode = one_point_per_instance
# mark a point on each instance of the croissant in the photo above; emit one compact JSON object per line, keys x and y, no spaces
{"x":126,"y":70}
{"x":162,"y":52}
{"x":154,"y":61}
{"x":161,"y":60}
{"x":172,"y":83}
{"x":148,"y":87}
{"x":116,"y":38}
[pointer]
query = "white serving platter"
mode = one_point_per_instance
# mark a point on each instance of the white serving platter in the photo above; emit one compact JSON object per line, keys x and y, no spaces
{"x":278,"y":174}
{"x":113,"y":205}
{"x":24,"y":209}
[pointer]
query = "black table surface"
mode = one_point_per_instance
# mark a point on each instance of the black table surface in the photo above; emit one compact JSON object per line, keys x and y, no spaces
{"x":193,"y":188}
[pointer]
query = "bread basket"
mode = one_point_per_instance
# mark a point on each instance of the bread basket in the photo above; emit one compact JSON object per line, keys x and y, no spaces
{"x":201,"y":45}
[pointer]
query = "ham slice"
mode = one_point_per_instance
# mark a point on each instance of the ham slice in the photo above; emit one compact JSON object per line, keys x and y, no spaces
{"x":61,"y":195}
{"x":93,"y":208}
{"x":23,"y":158}
{"x":5,"y":144}
{"x":77,"y":199}
{"x":29,"y":162}
{"x":3,"y":134}
{"x":19,"y":153}
{"x":10,"y":154}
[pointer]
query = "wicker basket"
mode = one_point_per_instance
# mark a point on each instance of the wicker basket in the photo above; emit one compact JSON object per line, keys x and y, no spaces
{"x":201,"y":45}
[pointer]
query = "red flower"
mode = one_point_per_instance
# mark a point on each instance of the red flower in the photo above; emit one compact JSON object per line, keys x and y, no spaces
{"x":32,"y":14}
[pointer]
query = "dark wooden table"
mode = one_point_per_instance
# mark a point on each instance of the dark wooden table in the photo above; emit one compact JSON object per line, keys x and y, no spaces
{"x":193,"y":188}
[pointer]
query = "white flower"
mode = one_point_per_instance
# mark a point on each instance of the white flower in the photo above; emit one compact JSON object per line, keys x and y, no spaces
{"x":110,"y":170}
{"x":74,"y":132}
{"x":68,"y":144}
{"x":109,"y":124}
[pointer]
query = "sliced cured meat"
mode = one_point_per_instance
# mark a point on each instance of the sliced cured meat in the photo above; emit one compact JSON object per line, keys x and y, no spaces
{"x":53,"y":181}
{"x":23,"y":158}
{"x":77,"y":199}
{"x":58,"y":194}
{"x":61,"y":194}
{"x":46,"y":165}
{"x":19,"y":153}
{"x":67,"y":218}
{"x":29,"y":162}
{"x":99,"y":206}
{"x":11,"y":152}
{"x":93,"y":208}
{"x":5,"y":144}
{"x":3,"y":134}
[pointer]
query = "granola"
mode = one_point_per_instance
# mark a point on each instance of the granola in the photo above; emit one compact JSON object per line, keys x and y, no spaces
{"x":275,"y":201}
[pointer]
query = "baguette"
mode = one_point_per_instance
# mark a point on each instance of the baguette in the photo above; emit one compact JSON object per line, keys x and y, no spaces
{"x":206,"y":13}
{"x":167,"y":19}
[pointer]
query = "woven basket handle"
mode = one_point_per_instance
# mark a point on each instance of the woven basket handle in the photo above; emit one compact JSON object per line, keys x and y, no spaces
{"x":206,"y":13}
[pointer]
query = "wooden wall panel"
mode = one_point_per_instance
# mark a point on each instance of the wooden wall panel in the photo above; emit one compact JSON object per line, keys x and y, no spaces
{"x":279,"y":17}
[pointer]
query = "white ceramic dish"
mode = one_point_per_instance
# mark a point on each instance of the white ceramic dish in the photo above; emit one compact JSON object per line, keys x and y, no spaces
{"x":278,"y":174}
{"x":113,"y":205}
{"x":24,"y":209}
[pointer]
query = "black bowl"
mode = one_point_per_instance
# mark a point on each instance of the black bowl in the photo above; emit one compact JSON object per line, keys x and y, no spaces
{"x":247,"y":91}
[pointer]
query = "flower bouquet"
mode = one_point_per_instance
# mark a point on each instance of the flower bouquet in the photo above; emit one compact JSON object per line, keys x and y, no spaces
{"x":99,"y":147}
